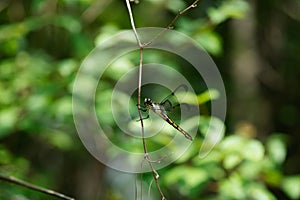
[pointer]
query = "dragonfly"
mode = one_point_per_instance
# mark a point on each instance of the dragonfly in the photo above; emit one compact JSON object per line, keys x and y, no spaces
{"x":162,"y":109}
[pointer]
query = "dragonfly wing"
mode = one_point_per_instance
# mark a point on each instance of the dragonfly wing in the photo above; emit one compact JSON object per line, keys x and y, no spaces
{"x":183,"y":87}
{"x":168,"y":106}
{"x":180,"y":88}
{"x":171,"y":102}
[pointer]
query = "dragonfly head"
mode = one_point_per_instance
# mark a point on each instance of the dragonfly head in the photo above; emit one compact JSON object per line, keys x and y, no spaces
{"x":148,"y":102}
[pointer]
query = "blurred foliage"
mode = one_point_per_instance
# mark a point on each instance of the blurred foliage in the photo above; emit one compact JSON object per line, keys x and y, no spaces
{"x":238,"y":168}
{"x":42,"y":44}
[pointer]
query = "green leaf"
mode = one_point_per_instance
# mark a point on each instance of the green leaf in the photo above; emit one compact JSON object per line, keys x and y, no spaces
{"x":69,"y":22}
{"x":249,"y":149}
{"x":103,"y":109}
{"x":8,"y":119}
{"x":190,"y":152}
{"x":253,"y":150}
{"x":63,"y":107}
{"x":118,"y":68}
{"x":105,"y":33}
{"x":7,"y":96}
{"x":67,"y":67}
{"x":37,"y":102}
{"x":59,"y":139}
{"x":273,"y":177}
{"x":258,"y":191}
{"x":210,"y":41}
{"x":250,"y":170}
{"x":228,"y":9}
{"x":232,"y":188}
{"x":209,"y":95}
{"x":231,"y":161}
{"x":232,"y":143}
{"x":276,"y":148}
{"x":291,"y":186}
{"x":186,"y":178}
{"x":20,"y":29}
{"x":5,"y":156}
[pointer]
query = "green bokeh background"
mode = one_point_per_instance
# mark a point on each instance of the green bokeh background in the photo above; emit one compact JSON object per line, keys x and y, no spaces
{"x":255,"y":45}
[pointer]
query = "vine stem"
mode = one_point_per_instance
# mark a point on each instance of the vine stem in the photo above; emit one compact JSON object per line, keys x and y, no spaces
{"x":142,"y":46}
{"x":13,"y":180}
{"x":181,"y":12}
{"x":132,"y":23}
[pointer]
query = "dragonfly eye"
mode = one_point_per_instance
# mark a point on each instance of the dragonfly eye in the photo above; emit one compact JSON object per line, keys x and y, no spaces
{"x":147,"y":101}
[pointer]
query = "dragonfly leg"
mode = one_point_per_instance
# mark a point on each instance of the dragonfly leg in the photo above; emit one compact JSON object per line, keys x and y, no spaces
{"x":142,"y":108}
{"x":143,"y":118}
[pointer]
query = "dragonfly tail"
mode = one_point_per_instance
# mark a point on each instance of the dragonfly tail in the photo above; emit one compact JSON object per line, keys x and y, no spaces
{"x":179,"y":129}
{"x":188,"y":136}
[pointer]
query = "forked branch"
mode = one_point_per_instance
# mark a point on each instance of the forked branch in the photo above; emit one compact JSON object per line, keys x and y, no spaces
{"x":181,"y":12}
{"x":155,"y":174}
{"x":141,"y":46}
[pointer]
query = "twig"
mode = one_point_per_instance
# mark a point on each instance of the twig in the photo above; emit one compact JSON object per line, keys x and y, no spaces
{"x":170,"y":26}
{"x":155,"y":174}
{"x":142,"y":46}
{"x":132,"y":24}
{"x":13,"y":180}
{"x":193,"y":5}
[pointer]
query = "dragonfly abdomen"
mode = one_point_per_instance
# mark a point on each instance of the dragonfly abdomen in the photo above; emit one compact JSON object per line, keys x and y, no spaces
{"x":179,"y":128}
